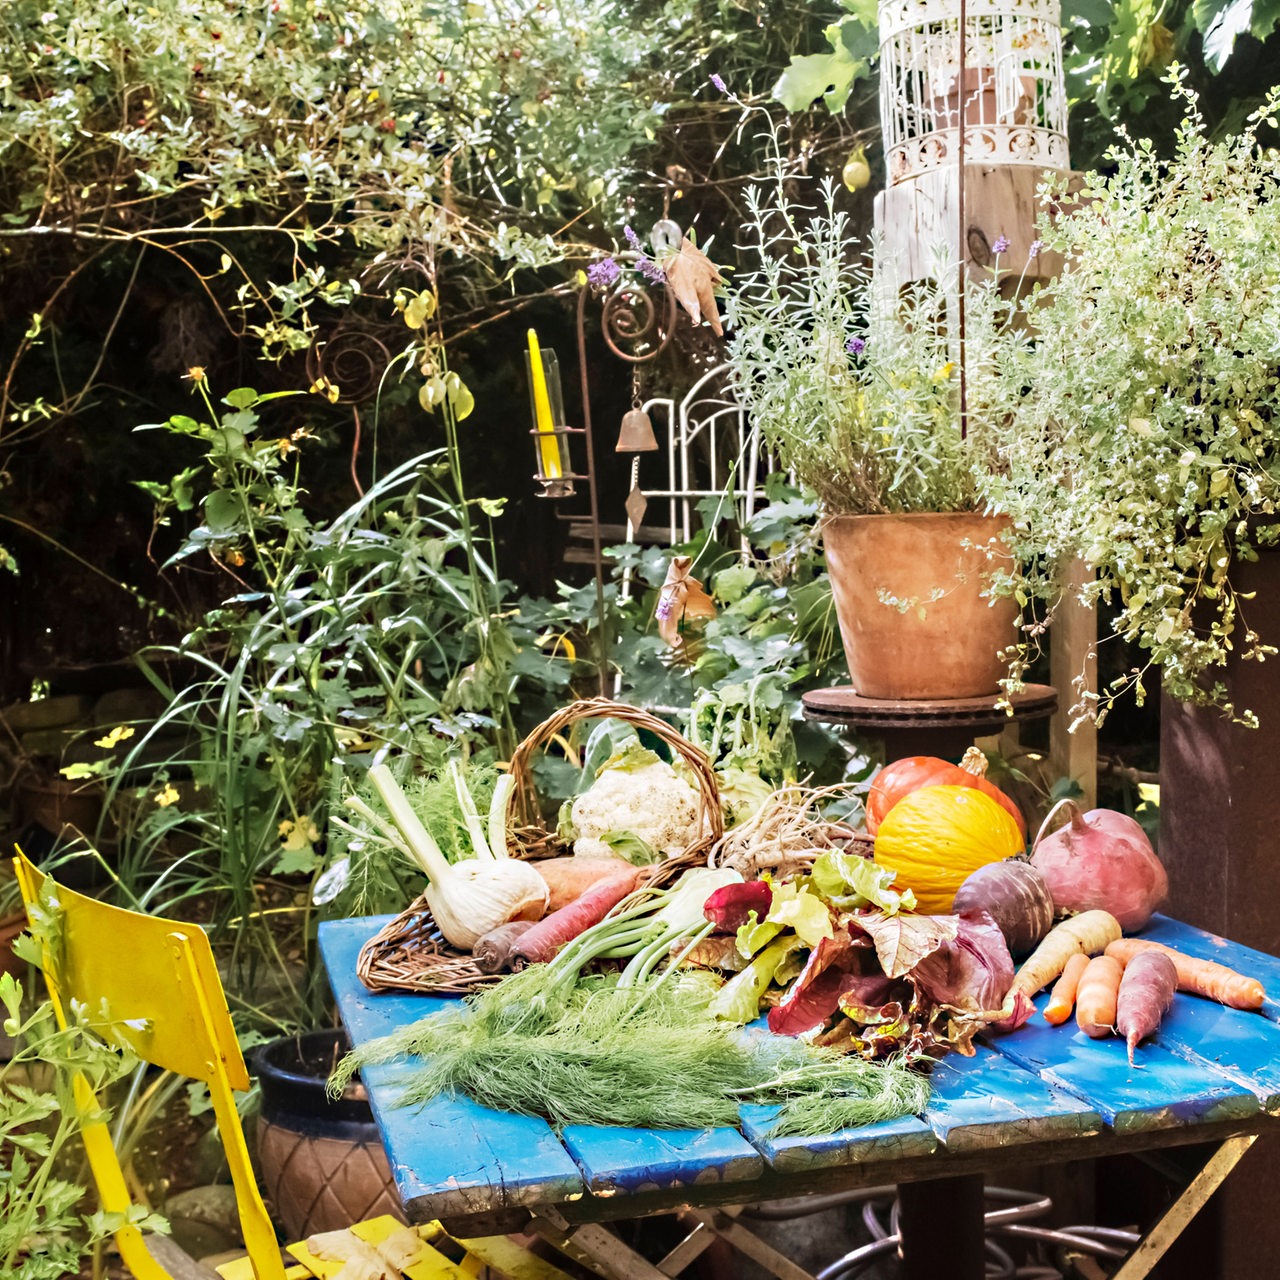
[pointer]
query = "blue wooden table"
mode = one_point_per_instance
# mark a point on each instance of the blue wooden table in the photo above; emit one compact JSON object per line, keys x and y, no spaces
{"x":1040,"y":1095}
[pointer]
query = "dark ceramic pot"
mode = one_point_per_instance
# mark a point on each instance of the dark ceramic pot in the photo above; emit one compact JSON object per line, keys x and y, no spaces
{"x":323,"y":1166}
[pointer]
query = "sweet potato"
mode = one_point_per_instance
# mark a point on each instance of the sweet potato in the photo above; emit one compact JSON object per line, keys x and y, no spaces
{"x":570,"y":877}
{"x":1146,"y":992}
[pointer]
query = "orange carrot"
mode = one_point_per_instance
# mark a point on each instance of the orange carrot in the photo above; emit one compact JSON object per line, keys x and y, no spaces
{"x":1062,"y":999}
{"x":1096,"y":996}
{"x":1199,"y":977}
{"x":570,"y":877}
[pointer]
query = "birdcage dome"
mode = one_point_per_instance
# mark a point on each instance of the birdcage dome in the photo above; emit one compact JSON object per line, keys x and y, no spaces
{"x":1007,"y":92}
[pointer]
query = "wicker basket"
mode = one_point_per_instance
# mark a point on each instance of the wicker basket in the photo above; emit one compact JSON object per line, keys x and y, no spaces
{"x":410,"y":954}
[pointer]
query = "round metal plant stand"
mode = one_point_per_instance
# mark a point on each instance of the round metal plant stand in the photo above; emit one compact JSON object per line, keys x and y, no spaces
{"x":940,"y":727}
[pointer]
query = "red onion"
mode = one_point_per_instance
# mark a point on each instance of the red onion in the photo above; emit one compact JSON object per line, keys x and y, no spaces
{"x":1101,"y":859}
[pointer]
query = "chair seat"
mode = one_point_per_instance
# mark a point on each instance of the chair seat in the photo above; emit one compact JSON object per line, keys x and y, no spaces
{"x":502,"y":1255}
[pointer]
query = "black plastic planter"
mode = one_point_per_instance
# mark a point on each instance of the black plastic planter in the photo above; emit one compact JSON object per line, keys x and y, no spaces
{"x":323,"y":1165}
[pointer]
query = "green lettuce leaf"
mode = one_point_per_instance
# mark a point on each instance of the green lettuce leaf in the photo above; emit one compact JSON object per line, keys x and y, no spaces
{"x":794,"y":907}
{"x":739,"y":999}
{"x":756,"y":933}
{"x":848,"y":882}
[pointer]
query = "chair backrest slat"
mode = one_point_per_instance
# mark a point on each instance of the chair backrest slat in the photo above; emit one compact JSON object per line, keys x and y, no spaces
{"x":130,"y":966}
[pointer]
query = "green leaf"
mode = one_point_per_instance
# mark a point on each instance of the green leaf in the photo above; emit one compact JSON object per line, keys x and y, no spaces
{"x":301,"y":861}
{"x":241,"y":398}
{"x":756,"y":933}
{"x":849,"y":882}
{"x":635,"y":849}
{"x":806,"y":913}
{"x":1221,"y":28}
{"x":492,"y":507}
{"x":739,"y":999}
{"x":222,"y":511}
{"x":1092,"y":13}
{"x":731,"y":584}
{"x":829,"y":76}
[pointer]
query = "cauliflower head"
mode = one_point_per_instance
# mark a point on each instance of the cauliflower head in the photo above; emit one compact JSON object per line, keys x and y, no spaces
{"x":637,"y":791}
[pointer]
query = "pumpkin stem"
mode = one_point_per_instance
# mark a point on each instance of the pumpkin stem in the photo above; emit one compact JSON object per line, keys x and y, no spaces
{"x":974,"y":761}
{"x":1053,"y":813}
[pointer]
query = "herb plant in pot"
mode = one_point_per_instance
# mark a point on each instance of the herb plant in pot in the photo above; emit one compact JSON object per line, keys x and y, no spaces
{"x":855,"y":386}
{"x":1148,"y":444}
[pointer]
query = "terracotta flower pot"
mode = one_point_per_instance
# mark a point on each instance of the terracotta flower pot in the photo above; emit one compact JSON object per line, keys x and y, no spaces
{"x":908,"y":596}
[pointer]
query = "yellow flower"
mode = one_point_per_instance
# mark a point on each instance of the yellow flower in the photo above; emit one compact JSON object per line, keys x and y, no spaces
{"x":323,"y":387}
{"x":114,"y":738}
{"x":168,"y":796}
{"x":195,"y":373}
{"x":300,"y":834}
{"x":943,"y":372}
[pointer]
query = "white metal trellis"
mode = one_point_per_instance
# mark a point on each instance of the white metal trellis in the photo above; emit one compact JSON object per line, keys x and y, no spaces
{"x":712,"y":451}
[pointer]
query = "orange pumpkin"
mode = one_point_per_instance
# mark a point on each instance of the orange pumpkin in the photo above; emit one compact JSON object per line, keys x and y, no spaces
{"x":902,"y":777}
{"x":936,"y":837}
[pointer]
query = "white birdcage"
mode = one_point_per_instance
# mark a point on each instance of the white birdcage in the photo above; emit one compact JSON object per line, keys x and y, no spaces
{"x":1012,"y":100}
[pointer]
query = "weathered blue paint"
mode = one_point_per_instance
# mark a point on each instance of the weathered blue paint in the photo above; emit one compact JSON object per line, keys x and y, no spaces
{"x":1209,"y":946}
{"x":450,"y":1157}
{"x":885,"y":1140}
{"x":453,"y":1157}
{"x":1242,"y":1046}
{"x":1163,"y":1090}
{"x":990,"y":1101}
{"x":629,"y":1160}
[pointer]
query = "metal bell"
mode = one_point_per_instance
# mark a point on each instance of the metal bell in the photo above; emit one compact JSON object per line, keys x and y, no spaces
{"x":636,"y":434}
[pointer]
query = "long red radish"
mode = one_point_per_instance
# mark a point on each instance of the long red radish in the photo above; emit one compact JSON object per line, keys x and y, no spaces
{"x":554,"y":931}
{"x":1062,"y":999}
{"x":1199,"y":977}
{"x":1146,"y":992}
{"x":1096,"y":996}
{"x":1085,"y":934}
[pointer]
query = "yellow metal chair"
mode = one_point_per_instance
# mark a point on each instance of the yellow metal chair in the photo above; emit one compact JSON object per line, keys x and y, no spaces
{"x":159,"y":984}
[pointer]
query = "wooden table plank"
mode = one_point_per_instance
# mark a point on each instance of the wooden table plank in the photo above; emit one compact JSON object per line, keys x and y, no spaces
{"x":1243,"y":1046}
{"x":1235,"y":955}
{"x":619,"y":1159}
{"x":898,"y":1139}
{"x":450,"y":1157}
{"x":991,"y":1101}
{"x":1164,"y":1090}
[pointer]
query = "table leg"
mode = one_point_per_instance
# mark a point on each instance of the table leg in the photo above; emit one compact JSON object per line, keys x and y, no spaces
{"x":1157,"y":1241}
{"x":942,"y":1228}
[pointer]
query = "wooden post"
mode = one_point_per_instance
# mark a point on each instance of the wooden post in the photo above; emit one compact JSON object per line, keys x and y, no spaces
{"x":942,"y":1228}
{"x":918,"y":218}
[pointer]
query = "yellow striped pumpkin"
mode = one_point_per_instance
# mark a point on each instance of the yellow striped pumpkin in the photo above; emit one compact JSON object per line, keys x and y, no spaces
{"x":936,"y":836}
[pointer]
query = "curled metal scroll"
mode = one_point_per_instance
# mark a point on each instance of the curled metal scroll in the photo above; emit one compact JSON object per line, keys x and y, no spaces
{"x":635,"y":327}
{"x":353,"y":358}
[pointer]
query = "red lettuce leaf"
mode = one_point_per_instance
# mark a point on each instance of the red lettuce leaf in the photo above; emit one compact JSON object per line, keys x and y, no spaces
{"x":971,"y":972}
{"x":730,"y":906}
